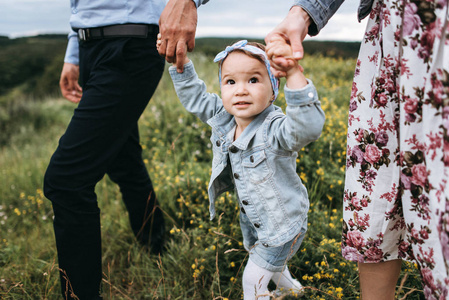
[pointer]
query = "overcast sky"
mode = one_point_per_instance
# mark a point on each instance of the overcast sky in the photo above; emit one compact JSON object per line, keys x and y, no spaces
{"x":225,"y":18}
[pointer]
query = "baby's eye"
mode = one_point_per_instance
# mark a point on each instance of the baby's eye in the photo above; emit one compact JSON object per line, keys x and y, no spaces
{"x":230,"y":81}
{"x":253,"y":80}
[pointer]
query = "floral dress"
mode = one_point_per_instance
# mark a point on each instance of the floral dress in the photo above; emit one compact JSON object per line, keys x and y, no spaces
{"x":396,"y":198}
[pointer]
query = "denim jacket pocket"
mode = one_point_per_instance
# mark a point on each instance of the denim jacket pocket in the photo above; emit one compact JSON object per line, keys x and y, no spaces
{"x":257,"y":167}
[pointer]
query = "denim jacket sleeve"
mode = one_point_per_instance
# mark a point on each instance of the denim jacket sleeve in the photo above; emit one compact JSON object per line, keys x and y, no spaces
{"x":192,"y":93}
{"x":320,"y":11}
{"x":304,"y":119}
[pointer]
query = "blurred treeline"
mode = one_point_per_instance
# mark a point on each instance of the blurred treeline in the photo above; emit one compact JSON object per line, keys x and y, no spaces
{"x":30,"y":68}
{"x":33,"y":64}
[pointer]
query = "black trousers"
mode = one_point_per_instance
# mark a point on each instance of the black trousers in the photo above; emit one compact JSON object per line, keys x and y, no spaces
{"x":118,"y":76}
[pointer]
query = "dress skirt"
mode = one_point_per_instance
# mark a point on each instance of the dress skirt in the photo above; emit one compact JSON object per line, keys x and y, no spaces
{"x":396,"y":197}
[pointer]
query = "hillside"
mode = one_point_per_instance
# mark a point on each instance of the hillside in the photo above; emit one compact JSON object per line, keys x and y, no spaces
{"x":34,"y":63}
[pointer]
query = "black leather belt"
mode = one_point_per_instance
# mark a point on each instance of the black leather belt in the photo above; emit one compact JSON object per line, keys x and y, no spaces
{"x":114,"y":31}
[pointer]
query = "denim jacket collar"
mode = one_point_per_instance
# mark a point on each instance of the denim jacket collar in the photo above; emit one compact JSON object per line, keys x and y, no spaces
{"x":223,"y":123}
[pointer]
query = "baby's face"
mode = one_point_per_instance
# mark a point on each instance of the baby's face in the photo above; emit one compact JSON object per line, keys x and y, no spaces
{"x":245,"y":87}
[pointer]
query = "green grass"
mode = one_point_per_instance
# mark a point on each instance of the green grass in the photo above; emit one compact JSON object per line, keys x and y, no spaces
{"x":204,"y":259}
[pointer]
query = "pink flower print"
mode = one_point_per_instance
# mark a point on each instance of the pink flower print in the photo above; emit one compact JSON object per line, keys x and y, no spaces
{"x":355,"y":239}
{"x":411,"y":19}
{"x":352,"y":105}
{"x":356,"y":203}
{"x":419,"y":175}
{"x":424,"y":234}
{"x":359,"y":135}
{"x":427,"y":278}
{"x":354,"y":91}
{"x":411,"y":106}
{"x":446,"y":153}
{"x":351,"y":254}
{"x":357,"y":154}
{"x":372,"y":154}
{"x":444,"y":238}
{"x":446,"y":117}
{"x":428,"y":293}
{"x":381,"y":138}
{"x":403,"y":249}
{"x":405,"y":181}
{"x":390,"y":86}
{"x":415,"y":236}
{"x":381,"y":99}
{"x":373,"y":254}
{"x":362,"y":222}
{"x":364,"y":202}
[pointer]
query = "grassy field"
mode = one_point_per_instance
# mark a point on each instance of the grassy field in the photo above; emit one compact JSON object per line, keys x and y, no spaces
{"x":204,"y":259}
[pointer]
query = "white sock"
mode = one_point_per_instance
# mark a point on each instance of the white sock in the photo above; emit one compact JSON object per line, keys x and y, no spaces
{"x":255,"y":281}
{"x":285,"y":280}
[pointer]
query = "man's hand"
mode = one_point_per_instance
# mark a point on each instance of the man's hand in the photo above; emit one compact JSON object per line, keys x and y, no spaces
{"x":68,"y":83}
{"x":293,"y":29}
{"x":177,"y":26}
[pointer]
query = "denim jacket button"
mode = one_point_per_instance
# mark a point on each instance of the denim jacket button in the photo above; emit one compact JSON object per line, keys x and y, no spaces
{"x":233,"y":149}
{"x":243,"y":210}
{"x":256,"y":225}
{"x":236,"y":176}
{"x":245,"y":202}
{"x":251,"y":158}
{"x":218,"y":143}
{"x":265,"y":244}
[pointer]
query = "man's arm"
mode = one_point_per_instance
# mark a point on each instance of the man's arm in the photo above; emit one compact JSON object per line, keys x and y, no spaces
{"x":70,"y":88}
{"x":177,"y":26}
{"x":68,"y":82}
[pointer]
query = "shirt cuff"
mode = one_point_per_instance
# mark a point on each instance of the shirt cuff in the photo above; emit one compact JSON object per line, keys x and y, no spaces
{"x":72,"y":52}
{"x":304,"y":96}
{"x":188,"y":72}
{"x":200,"y":2}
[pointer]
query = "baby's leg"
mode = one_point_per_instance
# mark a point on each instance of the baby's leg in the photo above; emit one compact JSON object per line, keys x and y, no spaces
{"x":285,"y":281}
{"x":255,"y":281}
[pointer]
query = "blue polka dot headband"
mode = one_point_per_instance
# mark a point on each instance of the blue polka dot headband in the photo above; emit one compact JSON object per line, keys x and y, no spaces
{"x":243,"y":45}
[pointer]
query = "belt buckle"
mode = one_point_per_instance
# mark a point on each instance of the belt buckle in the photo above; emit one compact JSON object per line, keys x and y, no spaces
{"x":83,"y":34}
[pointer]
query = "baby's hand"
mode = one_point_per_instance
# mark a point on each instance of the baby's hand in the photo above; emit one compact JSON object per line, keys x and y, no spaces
{"x":279,"y":48}
{"x":158,"y":45}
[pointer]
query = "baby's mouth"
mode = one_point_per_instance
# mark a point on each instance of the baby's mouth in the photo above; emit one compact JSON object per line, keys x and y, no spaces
{"x":242,"y":103}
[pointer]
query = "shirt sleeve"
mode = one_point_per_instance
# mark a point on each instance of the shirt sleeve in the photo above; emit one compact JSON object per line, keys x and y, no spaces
{"x":72,"y":51}
{"x":304,"y":119}
{"x":200,"y":2}
{"x":192,"y":93}
{"x":320,"y":11}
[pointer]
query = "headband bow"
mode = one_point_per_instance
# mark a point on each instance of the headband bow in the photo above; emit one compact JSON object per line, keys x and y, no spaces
{"x":243,"y":45}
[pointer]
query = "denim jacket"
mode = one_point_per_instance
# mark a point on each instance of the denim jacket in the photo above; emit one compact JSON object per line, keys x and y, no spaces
{"x":261,"y":163}
{"x":322,"y":10}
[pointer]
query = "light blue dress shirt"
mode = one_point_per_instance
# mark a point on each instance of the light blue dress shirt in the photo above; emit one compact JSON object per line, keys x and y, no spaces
{"x":98,"y":13}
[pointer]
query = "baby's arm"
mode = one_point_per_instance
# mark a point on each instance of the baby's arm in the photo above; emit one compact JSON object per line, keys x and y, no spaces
{"x":304,"y":117}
